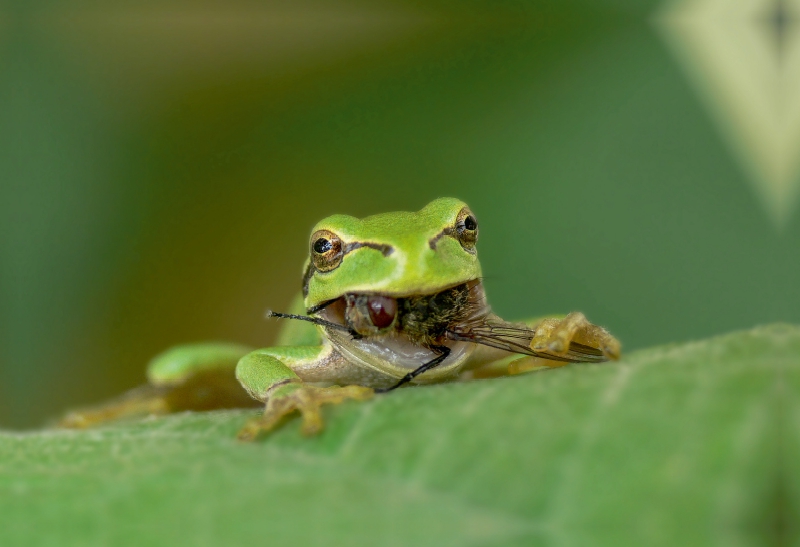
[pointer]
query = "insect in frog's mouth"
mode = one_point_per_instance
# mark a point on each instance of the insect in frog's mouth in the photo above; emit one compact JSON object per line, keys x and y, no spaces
{"x":423,"y":319}
{"x":414,"y":333}
{"x":409,"y":333}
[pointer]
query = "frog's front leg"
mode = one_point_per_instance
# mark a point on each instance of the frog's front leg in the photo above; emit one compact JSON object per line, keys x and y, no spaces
{"x":269,"y":375}
{"x":556,"y":342}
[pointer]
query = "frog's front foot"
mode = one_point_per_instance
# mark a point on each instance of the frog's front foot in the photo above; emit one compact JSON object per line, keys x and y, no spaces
{"x":555,"y":336}
{"x":307,"y":400}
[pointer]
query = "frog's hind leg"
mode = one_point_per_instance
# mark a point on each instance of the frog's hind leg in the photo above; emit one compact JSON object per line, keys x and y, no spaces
{"x":189,"y":377}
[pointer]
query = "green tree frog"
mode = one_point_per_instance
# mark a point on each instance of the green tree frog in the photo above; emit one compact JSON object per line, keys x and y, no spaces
{"x":389,"y":300}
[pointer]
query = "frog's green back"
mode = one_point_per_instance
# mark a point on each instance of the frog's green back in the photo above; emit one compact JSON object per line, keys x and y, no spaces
{"x":406,"y":253}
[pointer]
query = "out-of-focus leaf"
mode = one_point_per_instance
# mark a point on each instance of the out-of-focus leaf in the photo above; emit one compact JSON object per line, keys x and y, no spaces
{"x":693,"y":444}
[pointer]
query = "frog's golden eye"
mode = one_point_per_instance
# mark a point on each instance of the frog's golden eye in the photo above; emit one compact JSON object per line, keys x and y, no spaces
{"x":326,"y":250}
{"x":467,"y":229}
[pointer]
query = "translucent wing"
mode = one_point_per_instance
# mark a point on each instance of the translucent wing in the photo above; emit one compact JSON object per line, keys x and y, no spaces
{"x":492,"y":331}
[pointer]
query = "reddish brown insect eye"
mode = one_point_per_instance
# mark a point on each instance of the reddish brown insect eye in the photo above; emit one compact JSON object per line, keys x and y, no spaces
{"x":382,"y":311}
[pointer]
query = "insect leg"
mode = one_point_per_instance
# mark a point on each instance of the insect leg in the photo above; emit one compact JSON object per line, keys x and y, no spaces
{"x":443,"y":352}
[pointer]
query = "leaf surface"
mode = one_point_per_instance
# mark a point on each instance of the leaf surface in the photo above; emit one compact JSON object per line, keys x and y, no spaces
{"x":693,"y":444}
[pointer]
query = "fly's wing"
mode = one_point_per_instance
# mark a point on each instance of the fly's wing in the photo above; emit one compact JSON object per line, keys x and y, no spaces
{"x":490,"y":330}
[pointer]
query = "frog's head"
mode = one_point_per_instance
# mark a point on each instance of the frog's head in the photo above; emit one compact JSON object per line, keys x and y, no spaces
{"x":392,"y":254}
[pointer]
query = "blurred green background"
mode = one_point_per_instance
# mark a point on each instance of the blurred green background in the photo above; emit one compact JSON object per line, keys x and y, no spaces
{"x":161,"y":164}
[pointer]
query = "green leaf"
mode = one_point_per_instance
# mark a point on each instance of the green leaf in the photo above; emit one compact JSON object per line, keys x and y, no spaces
{"x":692,"y":444}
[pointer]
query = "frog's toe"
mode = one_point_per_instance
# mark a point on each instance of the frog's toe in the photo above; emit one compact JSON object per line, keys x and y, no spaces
{"x":312,"y":421}
{"x":250,"y":430}
{"x":541,"y":339}
{"x":553,"y":336}
{"x":311,"y":400}
{"x":598,"y":337}
{"x":308,"y":400}
{"x":611,"y":347}
{"x":262,"y":424}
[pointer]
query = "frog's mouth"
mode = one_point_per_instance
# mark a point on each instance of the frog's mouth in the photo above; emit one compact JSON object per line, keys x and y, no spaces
{"x":404,"y":337}
{"x":423,"y":319}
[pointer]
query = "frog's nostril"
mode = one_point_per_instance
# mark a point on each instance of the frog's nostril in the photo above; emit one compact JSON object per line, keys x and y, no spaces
{"x":382,"y":310}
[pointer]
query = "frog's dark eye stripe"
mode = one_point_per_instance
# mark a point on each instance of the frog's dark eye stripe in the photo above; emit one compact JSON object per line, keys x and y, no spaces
{"x":328,"y":250}
{"x":385,"y":249}
{"x":307,"y":278}
{"x":435,"y":239}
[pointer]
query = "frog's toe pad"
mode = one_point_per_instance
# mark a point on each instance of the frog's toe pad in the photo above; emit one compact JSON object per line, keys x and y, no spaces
{"x":308,"y":401}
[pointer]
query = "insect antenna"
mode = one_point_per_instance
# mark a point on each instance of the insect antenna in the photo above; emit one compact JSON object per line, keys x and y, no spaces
{"x":315,"y":320}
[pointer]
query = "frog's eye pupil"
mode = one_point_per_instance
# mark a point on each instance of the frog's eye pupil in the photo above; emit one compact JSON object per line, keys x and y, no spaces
{"x":469,"y":223}
{"x":322,"y":246}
